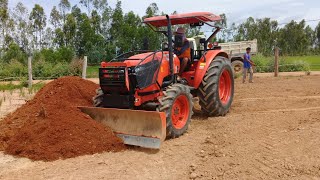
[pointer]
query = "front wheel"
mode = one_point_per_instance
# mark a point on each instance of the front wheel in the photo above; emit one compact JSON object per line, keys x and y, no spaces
{"x":177,"y":104}
{"x":217,"y":88}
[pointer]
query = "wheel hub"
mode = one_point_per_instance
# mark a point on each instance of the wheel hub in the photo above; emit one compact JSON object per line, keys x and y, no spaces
{"x":180,"y":112}
{"x":225,"y":87}
{"x":237,"y":68}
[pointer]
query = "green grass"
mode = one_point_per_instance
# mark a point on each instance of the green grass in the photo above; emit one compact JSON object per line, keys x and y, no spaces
{"x":93,"y":71}
{"x":10,"y":86}
{"x":313,"y":61}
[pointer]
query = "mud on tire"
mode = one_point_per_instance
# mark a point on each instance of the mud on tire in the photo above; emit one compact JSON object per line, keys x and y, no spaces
{"x":215,"y":96}
{"x":177,"y":104}
{"x":98,"y":98}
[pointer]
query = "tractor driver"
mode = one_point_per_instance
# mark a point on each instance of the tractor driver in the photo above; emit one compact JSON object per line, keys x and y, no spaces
{"x":182,"y":49}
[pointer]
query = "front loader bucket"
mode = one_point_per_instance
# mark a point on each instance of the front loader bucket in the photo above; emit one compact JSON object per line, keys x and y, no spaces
{"x":139,"y":128}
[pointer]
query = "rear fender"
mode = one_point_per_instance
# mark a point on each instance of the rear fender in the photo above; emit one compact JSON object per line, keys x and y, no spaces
{"x":204,"y":64}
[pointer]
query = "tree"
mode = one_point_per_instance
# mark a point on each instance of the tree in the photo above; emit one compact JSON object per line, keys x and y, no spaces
{"x":222,"y":36}
{"x":55,"y":17}
{"x":100,"y":5}
{"x":264,"y":30}
{"x":58,"y":37}
{"x":117,"y":22}
{"x":69,"y":29}
{"x":47,"y":38}
{"x":293,"y":39}
{"x":38,"y":19}
{"x":266,"y":35}
{"x":20,"y":17}
{"x":311,"y":38}
{"x":4,"y":16}
{"x":87,"y":4}
{"x":152,"y":10}
{"x":317,"y":34}
{"x":96,"y":21}
{"x":247,"y":30}
{"x":64,"y":6}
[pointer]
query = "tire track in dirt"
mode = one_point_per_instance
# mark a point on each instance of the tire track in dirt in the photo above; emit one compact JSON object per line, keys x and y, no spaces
{"x":262,"y":143}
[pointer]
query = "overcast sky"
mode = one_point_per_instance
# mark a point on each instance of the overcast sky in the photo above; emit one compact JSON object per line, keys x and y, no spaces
{"x":237,"y":11}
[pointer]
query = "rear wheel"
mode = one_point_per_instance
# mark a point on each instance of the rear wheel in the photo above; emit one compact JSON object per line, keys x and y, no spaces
{"x":217,"y":88}
{"x":237,"y":66}
{"x":177,"y":104}
{"x":98,"y":98}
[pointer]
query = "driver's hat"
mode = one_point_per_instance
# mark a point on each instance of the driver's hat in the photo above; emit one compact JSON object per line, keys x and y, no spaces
{"x":180,"y":30}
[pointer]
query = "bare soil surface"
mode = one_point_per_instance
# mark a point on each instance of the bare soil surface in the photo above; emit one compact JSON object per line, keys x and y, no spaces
{"x":271,"y":132}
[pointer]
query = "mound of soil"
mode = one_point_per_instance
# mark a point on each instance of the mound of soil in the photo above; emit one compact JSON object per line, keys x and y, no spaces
{"x":51,"y":127}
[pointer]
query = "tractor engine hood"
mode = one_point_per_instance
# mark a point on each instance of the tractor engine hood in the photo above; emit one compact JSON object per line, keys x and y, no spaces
{"x":140,"y":59}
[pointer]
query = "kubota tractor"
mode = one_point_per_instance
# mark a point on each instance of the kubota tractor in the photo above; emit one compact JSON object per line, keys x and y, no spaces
{"x":140,"y":97}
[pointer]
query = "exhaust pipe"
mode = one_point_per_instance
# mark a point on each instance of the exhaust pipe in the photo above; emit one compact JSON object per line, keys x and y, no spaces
{"x":170,"y":46}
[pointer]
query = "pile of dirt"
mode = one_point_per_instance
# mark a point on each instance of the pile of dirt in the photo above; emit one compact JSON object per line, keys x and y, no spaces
{"x":50,"y":126}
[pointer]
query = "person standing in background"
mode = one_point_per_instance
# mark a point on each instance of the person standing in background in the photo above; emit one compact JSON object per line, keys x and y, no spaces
{"x":247,"y":66}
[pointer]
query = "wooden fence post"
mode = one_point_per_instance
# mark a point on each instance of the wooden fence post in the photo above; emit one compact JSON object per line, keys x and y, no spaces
{"x":276,"y":62}
{"x":29,"y":71}
{"x":84,"y":67}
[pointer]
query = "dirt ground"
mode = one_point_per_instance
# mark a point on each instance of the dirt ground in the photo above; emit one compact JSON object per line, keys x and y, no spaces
{"x":271,"y":132}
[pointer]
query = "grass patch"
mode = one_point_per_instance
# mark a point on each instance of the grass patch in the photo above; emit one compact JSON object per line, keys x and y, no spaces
{"x":11,"y":86}
{"x":313,"y":61}
{"x":93,"y":71}
{"x":286,"y":64}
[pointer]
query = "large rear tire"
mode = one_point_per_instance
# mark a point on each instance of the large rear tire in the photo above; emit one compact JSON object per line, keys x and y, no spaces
{"x":177,"y":104}
{"x":217,"y":88}
{"x":98,"y":98}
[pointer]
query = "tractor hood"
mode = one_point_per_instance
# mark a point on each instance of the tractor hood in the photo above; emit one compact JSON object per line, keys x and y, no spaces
{"x":143,"y":58}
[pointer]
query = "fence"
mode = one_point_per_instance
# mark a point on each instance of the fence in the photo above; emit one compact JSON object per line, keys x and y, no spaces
{"x":86,"y":71}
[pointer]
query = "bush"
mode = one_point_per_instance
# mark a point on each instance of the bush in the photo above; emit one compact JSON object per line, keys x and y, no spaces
{"x":60,"y":69}
{"x":48,"y":70}
{"x":13,"y":69}
{"x":41,"y":68}
{"x":75,"y":67}
{"x":63,"y":54}
{"x":286,"y":66}
{"x":14,"y":53}
{"x":266,"y":64}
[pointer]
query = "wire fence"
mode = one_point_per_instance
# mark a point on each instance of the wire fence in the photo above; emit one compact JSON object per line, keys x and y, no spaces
{"x":259,"y":69}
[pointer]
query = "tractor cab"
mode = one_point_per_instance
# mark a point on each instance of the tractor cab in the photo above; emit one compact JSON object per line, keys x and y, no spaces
{"x":198,"y":44}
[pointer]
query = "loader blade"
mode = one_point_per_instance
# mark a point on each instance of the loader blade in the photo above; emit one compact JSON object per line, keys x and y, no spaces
{"x":139,"y":128}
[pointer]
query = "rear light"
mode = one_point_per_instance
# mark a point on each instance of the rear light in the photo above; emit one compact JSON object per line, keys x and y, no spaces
{"x":210,"y":46}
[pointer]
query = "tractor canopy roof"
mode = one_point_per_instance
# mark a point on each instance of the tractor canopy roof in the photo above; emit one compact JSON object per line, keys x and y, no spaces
{"x":185,"y":18}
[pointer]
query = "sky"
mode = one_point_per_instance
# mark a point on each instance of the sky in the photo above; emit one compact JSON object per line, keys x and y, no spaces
{"x":237,"y":11}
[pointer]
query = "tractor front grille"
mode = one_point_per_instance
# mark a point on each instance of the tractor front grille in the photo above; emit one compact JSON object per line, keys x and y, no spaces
{"x":112,"y":76}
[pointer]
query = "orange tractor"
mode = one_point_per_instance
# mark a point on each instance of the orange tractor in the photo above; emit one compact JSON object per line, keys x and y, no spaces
{"x":140,"y":97}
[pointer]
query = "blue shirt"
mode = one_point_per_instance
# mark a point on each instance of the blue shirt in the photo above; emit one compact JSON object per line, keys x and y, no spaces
{"x":246,"y":63}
